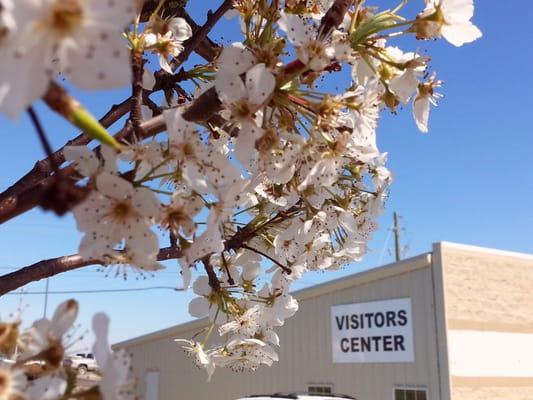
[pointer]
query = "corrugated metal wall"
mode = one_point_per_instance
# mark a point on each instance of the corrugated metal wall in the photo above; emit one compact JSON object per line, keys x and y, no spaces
{"x":305,"y":355}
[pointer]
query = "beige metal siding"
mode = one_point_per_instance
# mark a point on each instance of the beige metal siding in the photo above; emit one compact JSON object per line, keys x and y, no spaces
{"x":305,"y":356}
{"x":488,"y":290}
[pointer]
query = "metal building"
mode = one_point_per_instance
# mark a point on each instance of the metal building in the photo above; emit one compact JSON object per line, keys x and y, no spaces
{"x":455,"y":323}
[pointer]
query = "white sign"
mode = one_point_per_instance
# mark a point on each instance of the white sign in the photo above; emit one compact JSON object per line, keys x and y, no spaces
{"x":379,"y":331}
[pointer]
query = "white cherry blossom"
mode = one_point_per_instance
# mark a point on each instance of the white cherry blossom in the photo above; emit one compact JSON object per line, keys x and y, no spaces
{"x":315,"y":53}
{"x":449,"y":18}
{"x":245,"y":354}
{"x":236,"y":59}
{"x":196,"y":351}
{"x":81,"y":39}
{"x":47,"y":338}
{"x":165,"y":38}
{"x":114,"y":212}
{"x":115,"y":367}
{"x":424,"y":99}
{"x":87,"y":163}
{"x":13,"y":383}
{"x":245,"y":325}
{"x":244,"y":99}
{"x":46,"y":388}
{"x":178,"y":215}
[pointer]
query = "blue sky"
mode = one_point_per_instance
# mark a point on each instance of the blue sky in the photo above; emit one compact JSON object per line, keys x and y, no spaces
{"x":470,"y":180}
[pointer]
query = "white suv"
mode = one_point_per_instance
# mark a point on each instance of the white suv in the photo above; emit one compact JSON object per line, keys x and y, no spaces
{"x":82,"y":362}
{"x":299,"y":396}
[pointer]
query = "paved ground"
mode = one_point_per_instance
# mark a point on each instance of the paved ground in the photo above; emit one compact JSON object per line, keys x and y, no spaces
{"x":88,"y":380}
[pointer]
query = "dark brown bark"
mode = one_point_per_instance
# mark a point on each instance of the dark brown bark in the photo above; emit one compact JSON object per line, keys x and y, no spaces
{"x":48,"y":268}
{"x":333,"y":17}
{"x":19,"y":203}
{"x":9,"y":199}
{"x":43,"y":168}
{"x":200,"y":34}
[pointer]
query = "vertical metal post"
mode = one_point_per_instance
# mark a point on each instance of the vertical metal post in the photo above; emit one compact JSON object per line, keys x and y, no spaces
{"x":46,"y":297}
{"x":396,"y":229}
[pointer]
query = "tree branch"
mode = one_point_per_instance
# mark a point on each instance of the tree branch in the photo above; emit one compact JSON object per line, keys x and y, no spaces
{"x":43,"y":168}
{"x":9,"y":199}
{"x":200,"y":34}
{"x":214,"y":283}
{"x":47,"y":268}
{"x":206,"y":48}
{"x":33,"y":196}
{"x":333,"y":17}
{"x":137,"y":70}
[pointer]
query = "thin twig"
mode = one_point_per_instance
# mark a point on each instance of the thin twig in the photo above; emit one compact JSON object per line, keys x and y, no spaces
{"x":225,"y":263}
{"x":19,"y":203}
{"x":137,"y":69}
{"x":42,"y":136}
{"x":214,"y":283}
{"x":43,"y":168}
{"x":285,"y":269}
{"x":201,"y":34}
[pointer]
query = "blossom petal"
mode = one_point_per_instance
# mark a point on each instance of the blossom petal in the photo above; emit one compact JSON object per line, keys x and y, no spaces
{"x":64,"y":316}
{"x":17,"y":94}
{"x":46,"y":388}
{"x":178,"y":128}
{"x":84,"y":159}
{"x":113,"y":186}
{"x":199,"y":307}
{"x":230,"y":87}
{"x":295,"y":29}
{"x":180,"y":29}
{"x":146,"y":203}
{"x":421,"y":113}
{"x":101,"y":351}
{"x":459,"y":34}
{"x":101,"y":63}
{"x":236,"y":58}
{"x":404,"y":85}
{"x":260,"y":84}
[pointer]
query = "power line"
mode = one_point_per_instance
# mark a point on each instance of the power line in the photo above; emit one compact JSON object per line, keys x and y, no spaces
{"x":389,"y":233}
{"x":99,"y":290}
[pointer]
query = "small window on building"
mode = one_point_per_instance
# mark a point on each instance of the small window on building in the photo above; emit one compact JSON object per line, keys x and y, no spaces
{"x":319,"y":389}
{"x":410,"y":394}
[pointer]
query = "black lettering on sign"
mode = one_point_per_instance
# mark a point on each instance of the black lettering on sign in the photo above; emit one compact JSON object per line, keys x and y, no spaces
{"x":366,"y":344}
{"x":391,"y":318}
{"x":344,"y":345}
{"x":387,"y":343}
{"x":376,"y":340}
{"x":379,"y":319}
{"x":355,"y":345}
{"x":398,"y":343}
{"x":340,"y":322}
{"x":368,"y":317}
{"x":355,"y":321}
{"x":402,"y":317}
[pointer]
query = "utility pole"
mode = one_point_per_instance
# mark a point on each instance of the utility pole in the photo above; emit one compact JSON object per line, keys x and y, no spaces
{"x":46,"y":298}
{"x":396,"y":230}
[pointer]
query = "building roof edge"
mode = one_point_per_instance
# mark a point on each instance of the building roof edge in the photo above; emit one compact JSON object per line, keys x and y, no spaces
{"x":488,"y":250}
{"x":359,"y":278}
